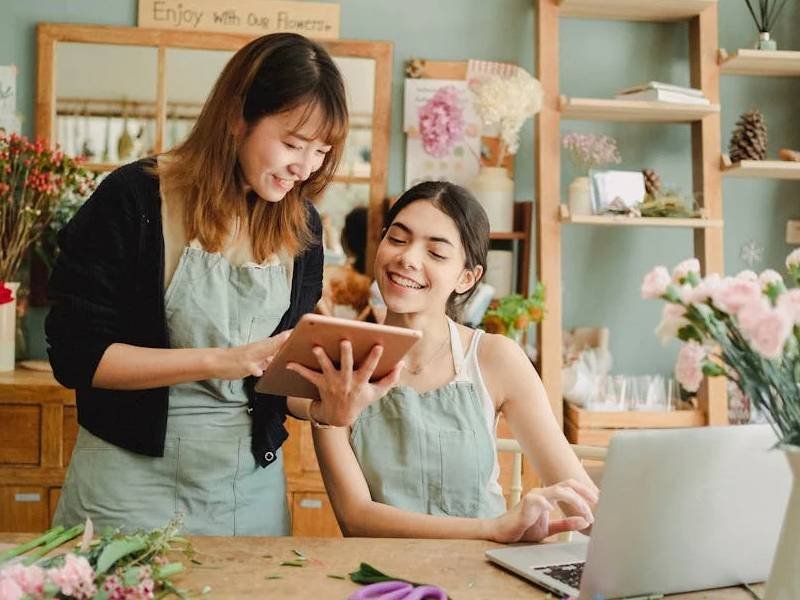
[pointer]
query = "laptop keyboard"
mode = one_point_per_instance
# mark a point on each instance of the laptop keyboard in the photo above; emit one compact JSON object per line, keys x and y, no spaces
{"x":569,"y":574}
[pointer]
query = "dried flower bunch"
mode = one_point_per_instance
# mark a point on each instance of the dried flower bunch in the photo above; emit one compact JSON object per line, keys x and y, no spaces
{"x":33,"y":180}
{"x":746,"y":328}
{"x":511,"y":314}
{"x":507,"y":102}
{"x":590,"y":150}
{"x":441,"y":122}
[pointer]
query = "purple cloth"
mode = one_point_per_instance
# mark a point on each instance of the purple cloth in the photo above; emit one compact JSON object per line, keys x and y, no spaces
{"x":398,"y":590}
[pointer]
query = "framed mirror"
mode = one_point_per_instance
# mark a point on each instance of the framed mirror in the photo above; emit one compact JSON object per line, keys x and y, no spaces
{"x":116,"y":94}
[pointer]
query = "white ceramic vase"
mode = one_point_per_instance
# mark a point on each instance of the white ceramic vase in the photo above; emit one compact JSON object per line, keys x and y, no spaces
{"x":784,"y":578}
{"x":578,"y":197}
{"x":494,"y":189}
{"x":8,"y":329}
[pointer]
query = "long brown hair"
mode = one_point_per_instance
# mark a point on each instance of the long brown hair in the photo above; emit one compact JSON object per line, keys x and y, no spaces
{"x":273,"y":74}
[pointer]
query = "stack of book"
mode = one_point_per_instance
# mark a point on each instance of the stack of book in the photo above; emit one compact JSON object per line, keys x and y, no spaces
{"x":663,"y":92}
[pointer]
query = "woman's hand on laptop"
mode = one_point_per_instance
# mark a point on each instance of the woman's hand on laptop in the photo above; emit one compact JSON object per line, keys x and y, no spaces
{"x":529,"y":521}
{"x":346,"y":391}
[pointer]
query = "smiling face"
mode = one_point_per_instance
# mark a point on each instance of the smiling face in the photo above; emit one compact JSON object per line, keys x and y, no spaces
{"x":420,"y":261}
{"x":280,"y":151}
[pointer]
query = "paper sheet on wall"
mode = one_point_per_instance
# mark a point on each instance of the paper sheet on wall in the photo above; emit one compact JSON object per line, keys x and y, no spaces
{"x":460,"y":163}
{"x":9,"y":120}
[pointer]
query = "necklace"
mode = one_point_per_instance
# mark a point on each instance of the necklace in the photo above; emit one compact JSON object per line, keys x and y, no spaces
{"x":426,"y":363}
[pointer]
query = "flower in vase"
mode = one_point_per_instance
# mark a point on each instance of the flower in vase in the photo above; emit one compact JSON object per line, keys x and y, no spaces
{"x":689,"y":367}
{"x":441,"y":122}
{"x":655,"y":283}
{"x":590,"y":150}
{"x":507,"y":102}
{"x":745,"y":328}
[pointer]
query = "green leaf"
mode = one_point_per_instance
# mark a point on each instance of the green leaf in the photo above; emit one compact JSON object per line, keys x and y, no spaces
{"x":688,"y":333}
{"x":118,"y":549}
{"x":131,"y":576}
{"x":294,"y":563}
{"x":711,"y":369}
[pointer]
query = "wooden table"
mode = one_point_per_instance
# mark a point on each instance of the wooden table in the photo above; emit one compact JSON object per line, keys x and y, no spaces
{"x":240,"y":568}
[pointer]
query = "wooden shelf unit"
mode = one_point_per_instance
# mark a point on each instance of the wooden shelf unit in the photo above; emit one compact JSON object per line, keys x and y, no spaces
{"x":760,"y":63}
{"x":706,"y":173}
{"x":595,"y":428}
{"x":633,"y":111}
{"x":626,"y":221}
{"x":635,"y":10}
{"x":762,"y":169}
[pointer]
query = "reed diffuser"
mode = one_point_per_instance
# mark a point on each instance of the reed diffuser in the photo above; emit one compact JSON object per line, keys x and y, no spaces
{"x":765,"y":14}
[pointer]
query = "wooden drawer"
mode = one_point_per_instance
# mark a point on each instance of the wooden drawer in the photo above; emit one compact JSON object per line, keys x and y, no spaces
{"x":20,"y":430}
{"x":312,"y":515}
{"x":70,"y":431}
{"x":24,"y":508}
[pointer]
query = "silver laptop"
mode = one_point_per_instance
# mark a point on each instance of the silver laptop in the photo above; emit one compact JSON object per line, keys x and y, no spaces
{"x":680,"y":510}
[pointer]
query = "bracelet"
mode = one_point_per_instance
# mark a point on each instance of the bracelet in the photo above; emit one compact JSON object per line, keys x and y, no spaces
{"x":314,"y":422}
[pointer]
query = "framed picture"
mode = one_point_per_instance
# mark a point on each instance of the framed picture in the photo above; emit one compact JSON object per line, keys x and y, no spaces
{"x":616,"y":190}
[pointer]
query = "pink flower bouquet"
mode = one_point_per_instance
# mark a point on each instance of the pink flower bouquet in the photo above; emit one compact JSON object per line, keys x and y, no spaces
{"x":441,"y":122}
{"x":746,"y":328}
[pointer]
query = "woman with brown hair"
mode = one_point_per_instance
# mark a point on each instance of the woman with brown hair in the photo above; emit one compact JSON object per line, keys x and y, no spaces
{"x":176,"y":283}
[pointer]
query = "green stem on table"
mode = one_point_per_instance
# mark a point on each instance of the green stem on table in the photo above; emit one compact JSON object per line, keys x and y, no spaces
{"x":23,"y":548}
{"x":168,"y":570}
{"x":68,"y":535}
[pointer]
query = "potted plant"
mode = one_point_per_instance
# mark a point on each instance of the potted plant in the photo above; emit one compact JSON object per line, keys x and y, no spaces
{"x":511,"y":315}
{"x":587,"y":151}
{"x":745,"y":328}
{"x":33,"y":180}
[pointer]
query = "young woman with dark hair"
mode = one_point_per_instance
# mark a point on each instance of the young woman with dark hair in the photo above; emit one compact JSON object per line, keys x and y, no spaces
{"x":422,"y":461}
{"x":174,"y":283}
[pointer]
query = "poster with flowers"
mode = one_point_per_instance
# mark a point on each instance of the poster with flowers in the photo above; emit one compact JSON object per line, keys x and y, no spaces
{"x":442,"y":131}
{"x":9,"y":120}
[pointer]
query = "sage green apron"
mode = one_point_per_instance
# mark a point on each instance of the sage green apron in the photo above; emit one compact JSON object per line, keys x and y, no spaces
{"x":208,"y":474}
{"x":430,"y":452}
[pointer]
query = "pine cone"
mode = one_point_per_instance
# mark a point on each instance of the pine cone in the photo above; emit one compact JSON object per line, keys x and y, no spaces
{"x":749,"y":139}
{"x":652,"y":182}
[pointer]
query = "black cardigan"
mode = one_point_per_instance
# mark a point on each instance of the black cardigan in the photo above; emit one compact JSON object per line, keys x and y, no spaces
{"x":107,"y":286}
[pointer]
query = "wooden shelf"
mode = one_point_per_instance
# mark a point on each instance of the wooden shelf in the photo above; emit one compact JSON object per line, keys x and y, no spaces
{"x":636,"y":111}
{"x":507,"y":235}
{"x":765,"y":63}
{"x":635,"y":10}
{"x":763,"y":169}
{"x":624,"y":221}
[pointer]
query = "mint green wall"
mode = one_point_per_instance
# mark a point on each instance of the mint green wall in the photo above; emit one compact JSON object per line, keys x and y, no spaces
{"x":603,"y":267}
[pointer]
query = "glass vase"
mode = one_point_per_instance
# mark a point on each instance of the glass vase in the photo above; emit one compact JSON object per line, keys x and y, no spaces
{"x":8,"y":329}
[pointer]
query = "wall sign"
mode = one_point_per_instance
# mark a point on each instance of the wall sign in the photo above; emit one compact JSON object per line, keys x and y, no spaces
{"x":319,"y":20}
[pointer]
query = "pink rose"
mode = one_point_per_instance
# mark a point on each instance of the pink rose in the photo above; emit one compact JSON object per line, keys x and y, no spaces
{"x":732,"y":294}
{"x":9,"y":589}
{"x":689,"y":366}
{"x":655,"y":283}
{"x":790,"y":303}
{"x":672,"y":320}
{"x":769,"y":333}
{"x":75,"y":578}
{"x":705,"y":289}
{"x":30,"y":579}
{"x":690,"y":265}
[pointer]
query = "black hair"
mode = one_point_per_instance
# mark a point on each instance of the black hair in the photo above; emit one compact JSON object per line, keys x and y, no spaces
{"x":354,"y":237}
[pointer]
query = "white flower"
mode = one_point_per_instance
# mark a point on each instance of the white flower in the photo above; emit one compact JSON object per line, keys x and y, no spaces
{"x":508,"y":102}
{"x":747,"y":275}
{"x":793,"y":260}
{"x":655,"y":283}
{"x":690,"y":265}
{"x":769,"y":276}
{"x":672,"y":320}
